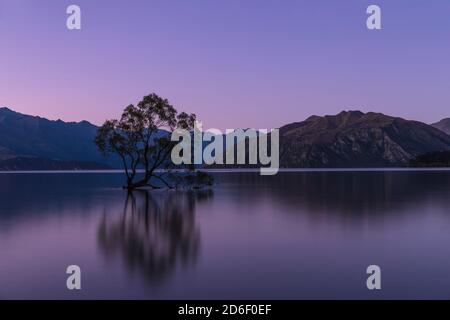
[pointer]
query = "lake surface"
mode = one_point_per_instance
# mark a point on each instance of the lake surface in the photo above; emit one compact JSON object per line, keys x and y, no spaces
{"x":297,"y":235}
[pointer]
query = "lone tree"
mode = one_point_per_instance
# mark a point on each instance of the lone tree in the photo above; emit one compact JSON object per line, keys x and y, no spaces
{"x":141,"y":139}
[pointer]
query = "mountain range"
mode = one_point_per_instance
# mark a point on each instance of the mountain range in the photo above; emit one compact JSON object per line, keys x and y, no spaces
{"x":348,"y":139}
{"x":28,"y":142}
{"x":357,"y":139}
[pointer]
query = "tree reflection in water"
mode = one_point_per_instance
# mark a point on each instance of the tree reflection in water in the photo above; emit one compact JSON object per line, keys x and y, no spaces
{"x":155,"y":233}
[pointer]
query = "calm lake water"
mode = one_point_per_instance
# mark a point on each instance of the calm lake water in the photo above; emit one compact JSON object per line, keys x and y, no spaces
{"x":297,"y":235}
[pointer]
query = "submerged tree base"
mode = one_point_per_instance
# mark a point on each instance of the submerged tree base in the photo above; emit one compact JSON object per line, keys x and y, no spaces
{"x":193,"y":180}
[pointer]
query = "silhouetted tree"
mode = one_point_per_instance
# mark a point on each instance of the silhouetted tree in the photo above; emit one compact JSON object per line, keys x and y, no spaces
{"x":141,"y":138}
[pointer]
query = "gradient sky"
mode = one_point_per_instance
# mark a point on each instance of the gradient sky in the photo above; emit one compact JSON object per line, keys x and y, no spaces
{"x":235,"y":63}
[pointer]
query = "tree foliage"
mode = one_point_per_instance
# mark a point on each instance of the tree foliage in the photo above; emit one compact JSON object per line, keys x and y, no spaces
{"x":141,"y":139}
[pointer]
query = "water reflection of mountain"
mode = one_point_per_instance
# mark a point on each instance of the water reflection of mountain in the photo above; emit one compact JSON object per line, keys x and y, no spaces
{"x":344,"y":193}
{"x":334,"y":193}
{"x":155,"y":233}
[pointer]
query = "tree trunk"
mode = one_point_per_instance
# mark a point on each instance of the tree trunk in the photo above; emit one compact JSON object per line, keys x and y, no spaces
{"x":136,"y":185}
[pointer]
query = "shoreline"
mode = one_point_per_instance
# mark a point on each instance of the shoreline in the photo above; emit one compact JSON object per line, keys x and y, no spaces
{"x":243,"y":170}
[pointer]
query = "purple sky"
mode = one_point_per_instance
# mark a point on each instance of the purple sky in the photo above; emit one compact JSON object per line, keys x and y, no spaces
{"x":236,"y":63}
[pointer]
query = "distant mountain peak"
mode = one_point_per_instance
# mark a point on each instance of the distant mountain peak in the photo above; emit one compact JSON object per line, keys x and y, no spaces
{"x":443,"y":125}
{"x":11,"y":113}
{"x":351,"y":112}
{"x":5,"y":109}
